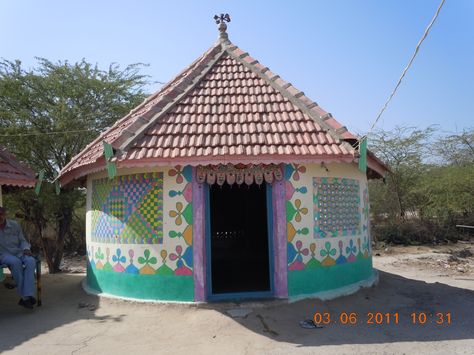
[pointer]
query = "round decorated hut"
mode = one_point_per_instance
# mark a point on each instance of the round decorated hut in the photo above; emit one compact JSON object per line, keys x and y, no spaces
{"x":228,"y":183}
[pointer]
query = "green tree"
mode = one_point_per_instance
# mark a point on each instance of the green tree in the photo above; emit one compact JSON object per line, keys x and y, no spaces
{"x":448,"y":190}
{"x":403,"y":150}
{"x":78,"y":99}
{"x":431,"y":178}
{"x":457,"y":149}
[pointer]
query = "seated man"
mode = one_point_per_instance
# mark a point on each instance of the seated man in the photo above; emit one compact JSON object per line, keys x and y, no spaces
{"x":15,"y":252}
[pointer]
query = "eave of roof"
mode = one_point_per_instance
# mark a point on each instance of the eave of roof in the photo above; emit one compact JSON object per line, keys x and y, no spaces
{"x":376,"y":165}
{"x":14,"y":172}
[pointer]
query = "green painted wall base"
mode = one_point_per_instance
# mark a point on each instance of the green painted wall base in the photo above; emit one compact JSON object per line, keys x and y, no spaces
{"x":181,"y":288}
{"x":313,"y":280}
{"x":146,"y":287}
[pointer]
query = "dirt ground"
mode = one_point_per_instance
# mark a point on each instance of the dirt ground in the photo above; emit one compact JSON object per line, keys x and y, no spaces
{"x":424,"y":280}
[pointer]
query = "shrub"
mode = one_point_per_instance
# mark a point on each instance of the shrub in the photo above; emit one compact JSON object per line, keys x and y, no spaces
{"x":418,"y":231}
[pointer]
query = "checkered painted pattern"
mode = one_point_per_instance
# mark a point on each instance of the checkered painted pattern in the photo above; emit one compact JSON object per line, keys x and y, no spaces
{"x":135,"y":187}
{"x":151,"y":209}
{"x":103,"y":231}
{"x":100,"y":191}
{"x":137,"y":231}
{"x":95,"y":215}
{"x":116,"y":204}
{"x":116,"y":212}
{"x":128,"y":209}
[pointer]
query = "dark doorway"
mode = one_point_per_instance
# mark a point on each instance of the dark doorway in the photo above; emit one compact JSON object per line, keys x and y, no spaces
{"x":239,"y":239}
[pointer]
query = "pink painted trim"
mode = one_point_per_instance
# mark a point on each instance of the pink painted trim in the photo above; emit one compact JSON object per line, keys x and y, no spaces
{"x":236,"y":159}
{"x":84,"y":170}
{"x":99,"y":165}
{"x":279,"y":240}
{"x":199,"y":240}
{"x":17,"y":182}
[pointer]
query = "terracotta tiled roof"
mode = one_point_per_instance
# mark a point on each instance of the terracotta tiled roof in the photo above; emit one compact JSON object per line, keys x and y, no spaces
{"x":13,"y":172}
{"x":225,"y":107}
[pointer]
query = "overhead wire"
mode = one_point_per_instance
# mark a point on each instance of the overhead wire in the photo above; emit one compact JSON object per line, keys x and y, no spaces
{"x":384,"y":107}
{"x":44,"y":133}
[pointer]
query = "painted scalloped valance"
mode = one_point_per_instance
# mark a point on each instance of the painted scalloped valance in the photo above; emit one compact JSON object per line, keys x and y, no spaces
{"x":238,"y":174}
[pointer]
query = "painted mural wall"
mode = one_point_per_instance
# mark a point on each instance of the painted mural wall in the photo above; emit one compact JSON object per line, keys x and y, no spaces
{"x":139,"y":230}
{"x":327,"y":215}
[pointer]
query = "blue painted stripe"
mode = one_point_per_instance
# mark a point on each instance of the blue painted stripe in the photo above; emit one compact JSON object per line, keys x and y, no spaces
{"x":240,"y":296}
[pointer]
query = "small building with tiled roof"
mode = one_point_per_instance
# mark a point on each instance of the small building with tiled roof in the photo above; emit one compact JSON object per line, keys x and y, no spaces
{"x":230,"y":184}
{"x":13,"y":173}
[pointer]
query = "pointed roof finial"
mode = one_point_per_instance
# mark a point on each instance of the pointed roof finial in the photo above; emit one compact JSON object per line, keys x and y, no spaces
{"x":221,"y":20}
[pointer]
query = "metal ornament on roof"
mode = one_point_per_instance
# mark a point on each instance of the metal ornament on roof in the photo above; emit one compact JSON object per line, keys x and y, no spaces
{"x":232,"y":174}
{"x":221,"y":20}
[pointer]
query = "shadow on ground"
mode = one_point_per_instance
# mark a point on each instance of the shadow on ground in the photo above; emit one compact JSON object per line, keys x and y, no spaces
{"x":393,"y":294}
{"x":64,"y":303}
{"x":71,"y":321}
